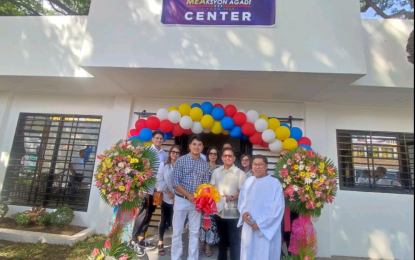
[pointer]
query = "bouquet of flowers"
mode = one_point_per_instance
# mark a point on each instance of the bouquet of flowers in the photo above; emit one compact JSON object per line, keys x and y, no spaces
{"x":206,"y":197}
{"x":308,"y":179}
{"x":124,"y":173}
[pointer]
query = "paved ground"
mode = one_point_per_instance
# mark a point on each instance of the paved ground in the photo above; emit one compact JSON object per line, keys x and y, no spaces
{"x":153,"y":254}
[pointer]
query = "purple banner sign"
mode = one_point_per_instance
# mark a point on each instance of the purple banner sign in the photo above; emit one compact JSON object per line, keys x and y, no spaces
{"x":219,"y":12}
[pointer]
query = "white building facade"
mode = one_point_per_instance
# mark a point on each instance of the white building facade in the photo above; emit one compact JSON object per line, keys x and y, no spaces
{"x":321,"y":63}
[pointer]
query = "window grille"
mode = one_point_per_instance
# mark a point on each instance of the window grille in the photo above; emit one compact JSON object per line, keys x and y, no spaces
{"x":376,"y":161}
{"x":44,"y":148}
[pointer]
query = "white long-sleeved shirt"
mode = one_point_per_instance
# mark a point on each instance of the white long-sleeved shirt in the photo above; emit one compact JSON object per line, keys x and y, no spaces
{"x":165,"y":181}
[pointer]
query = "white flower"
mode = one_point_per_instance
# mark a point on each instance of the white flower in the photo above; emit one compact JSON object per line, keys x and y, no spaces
{"x":313,"y":175}
{"x":285,"y":166}
{"x":295,"y":188}
{"x":327,"y":187}
{"x":302,"y":167}
{"x":116,"y":154}
{"x":128,"y":170}
{"x":121,"y":164}
{"x":308,"y":180}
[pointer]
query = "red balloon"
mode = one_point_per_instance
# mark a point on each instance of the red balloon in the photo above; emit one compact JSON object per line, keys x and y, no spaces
{"x":218,"y":105}
{"x":177,"y":130}
{"x":153,"y":123}
{"x":239,"y":118}
{"x":128,"y":135}
{"x":188,"y":132}
{"x":133,"y":132}
{"x":304,"y":140}
{"x":264,"y":144}
{"x":140,"y":124}
{"x":166,"y":126}
{"x":230,"y":110}
{"x":256,"y":138}
{"x":248,"y":129}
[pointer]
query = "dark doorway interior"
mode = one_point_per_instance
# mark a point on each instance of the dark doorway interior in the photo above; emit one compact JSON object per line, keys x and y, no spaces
{"x":240,"y":146}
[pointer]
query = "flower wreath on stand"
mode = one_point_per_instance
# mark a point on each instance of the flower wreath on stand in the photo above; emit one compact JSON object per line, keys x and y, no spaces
{"x":309,"y":182}
{"x":123,"y":175}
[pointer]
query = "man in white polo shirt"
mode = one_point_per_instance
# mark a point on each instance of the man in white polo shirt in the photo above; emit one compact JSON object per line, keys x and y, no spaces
{"x":76,"y":168}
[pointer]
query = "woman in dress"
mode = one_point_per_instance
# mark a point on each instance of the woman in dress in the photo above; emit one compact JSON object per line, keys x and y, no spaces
{"x":210,"y":236}
{"x":165,"y":185}
{"x":246,"y":163}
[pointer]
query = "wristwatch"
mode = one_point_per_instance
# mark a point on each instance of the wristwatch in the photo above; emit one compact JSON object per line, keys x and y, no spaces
{"x":232,"y":198}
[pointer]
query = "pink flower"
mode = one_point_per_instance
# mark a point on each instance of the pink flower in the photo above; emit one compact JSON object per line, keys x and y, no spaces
{"x":311,"y":205}
{"x":125,"y":257}
{"x":289,"y":191}
{"x":289,"y":162}
{"x":127,"y":186}
{"x":123,"y":145}
{"x":311,"y":154}
{"x":313,"y":169}
{"x":284,"y":172}
{"x":330,"y":169}
{"x":95,"y":252}
{"x":330,"y":199}
{"x":107,"y":244}
{"x":99,"y":157}
{"x":140,"y":178}
{"x":307,"y":257}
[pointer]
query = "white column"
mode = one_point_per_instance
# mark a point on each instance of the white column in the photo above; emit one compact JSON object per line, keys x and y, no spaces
{"x":315,"y":129}
{"x":6,"y":100}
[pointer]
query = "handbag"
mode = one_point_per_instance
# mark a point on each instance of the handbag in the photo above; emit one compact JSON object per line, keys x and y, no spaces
{"x":157,"y":198}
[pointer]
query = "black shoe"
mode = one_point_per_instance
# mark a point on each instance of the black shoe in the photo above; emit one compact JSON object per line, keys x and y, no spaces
{"x":139,"y":251}
{"x":144,"y":244}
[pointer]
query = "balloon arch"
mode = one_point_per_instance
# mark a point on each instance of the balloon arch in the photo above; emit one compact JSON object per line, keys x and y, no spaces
{"x":219,"y":119}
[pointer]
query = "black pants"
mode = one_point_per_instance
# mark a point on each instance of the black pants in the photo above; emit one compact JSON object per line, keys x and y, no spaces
{"x":142,"y":220}
{"x":230,"y":236}
{"x":165,"y":219}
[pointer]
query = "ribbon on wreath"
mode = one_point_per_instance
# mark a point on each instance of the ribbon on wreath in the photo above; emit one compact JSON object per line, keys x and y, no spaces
{"x":205,"y":200}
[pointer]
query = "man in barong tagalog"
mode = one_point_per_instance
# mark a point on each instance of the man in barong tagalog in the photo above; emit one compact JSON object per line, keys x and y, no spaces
{"x":261,"y":204}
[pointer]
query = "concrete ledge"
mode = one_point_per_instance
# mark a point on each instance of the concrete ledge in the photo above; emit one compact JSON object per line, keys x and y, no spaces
{"x":34,"y":237}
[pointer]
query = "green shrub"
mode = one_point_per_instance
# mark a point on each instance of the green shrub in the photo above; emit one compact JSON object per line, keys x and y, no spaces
{"x":21,"y":218}
{"x":35,"y":213}
{"x":62,"y":217}
{"x":45,"y":219}
{"x":3,"y":210}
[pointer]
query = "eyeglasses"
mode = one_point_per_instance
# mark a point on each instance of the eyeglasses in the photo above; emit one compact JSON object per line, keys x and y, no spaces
{"x":227,"y":156}
{"x":258,"y":164}
{"x":175,"y":152}
{"x":245,"y":160}
{"x":215,"y":154}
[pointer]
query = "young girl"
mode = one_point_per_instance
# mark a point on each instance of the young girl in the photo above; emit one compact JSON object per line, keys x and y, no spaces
{"x":165,"y":185}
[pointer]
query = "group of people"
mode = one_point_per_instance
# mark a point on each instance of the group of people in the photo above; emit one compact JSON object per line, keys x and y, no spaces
{"x":253,"y":203}
{"x":379,"y":178}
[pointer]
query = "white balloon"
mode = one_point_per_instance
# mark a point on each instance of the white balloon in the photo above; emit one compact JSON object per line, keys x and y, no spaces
{"x":241,"y":110}
{"x":174,"y":116}
{"x":268,"y":136}
{"x":206,"y":130}
{"x":186,"y":122}
{"x":261,"y":125}
{"x":252,"y":116}
{"x":162,"y":114}
{"x":276,"y":146}
{"x":315,"y":219}
{"x":197,"y":128}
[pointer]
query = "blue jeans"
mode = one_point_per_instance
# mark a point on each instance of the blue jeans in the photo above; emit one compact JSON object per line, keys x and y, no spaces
{"x":75,"y":183}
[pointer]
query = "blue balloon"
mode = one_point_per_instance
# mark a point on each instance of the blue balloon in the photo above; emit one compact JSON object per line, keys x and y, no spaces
{"x":227,"y":123}
{"x":296,"y":133}
{"x":145,"y":134}
{"x":236,"y":131}
{"x":169,"y":135}
{"x":195,"y":105}
{"x":206,"y":108}
{"x":218,"y":113}
{"x":245,"y":137}
{"x":306,"y":146}
{"x":134,"y":138}
{"x":285,"y":124}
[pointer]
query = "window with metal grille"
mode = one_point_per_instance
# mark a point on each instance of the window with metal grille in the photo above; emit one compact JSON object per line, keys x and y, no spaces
{"x":376,"y":161}
{"x":52,"y":160}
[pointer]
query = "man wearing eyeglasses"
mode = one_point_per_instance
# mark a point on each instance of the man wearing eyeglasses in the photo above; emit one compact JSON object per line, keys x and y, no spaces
{"x":228,"y":179}
{"x":261,"y":203}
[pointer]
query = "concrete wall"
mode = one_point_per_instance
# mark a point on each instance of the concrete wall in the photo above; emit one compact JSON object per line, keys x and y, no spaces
{"x":309,"y":36}
{"x":385,"y":51}
{"x":41,"y":46}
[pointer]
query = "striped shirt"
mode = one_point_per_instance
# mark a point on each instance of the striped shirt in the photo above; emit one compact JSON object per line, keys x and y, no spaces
{"x":190,"y":173}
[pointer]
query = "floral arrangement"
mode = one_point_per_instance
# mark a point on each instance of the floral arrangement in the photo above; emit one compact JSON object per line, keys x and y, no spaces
{"x":3,"y":210}
{"x":206,"y":197}
{"x":113,"y":249}
{"x":124,"y":173}
{"x":309,"y":181}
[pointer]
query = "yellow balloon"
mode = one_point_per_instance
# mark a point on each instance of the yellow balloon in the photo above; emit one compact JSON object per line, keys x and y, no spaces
{"x":225,"y":132}
{"x":184,"y":109}
{"x":282,"y":133}
{"x":207,"y":121}
{"x":264,"y":117}
{"x":289,"y":144}
{"x":216,"y":128}
{"x":149,"y":143}
{"x":273,"y":123}
{"x":196,"y":114}
{"x":173,"y":108}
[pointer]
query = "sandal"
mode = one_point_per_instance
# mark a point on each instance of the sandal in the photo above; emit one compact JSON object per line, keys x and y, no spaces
{"x":161,"y":250}
{"x":208,"y":252}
